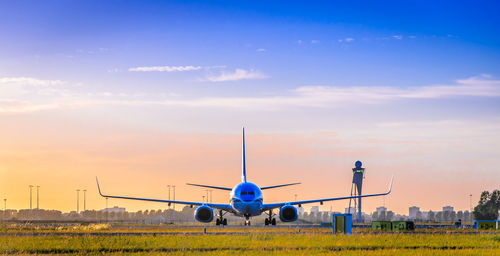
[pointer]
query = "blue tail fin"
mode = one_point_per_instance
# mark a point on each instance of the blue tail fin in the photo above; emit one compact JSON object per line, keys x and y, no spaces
{"x":243,"y":162}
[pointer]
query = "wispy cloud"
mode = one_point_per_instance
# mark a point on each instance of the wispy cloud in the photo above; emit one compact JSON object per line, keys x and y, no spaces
{"x":398,"y":37}
{"x":304,"y":96}
{"x":347,"y":40}
{"x":29,"y":81}
{"x":261,"y":50}
{"x":315,"y":41}
{"x":19,"y":106}
{"x":165,"y":68}
{"x":238,"y":74}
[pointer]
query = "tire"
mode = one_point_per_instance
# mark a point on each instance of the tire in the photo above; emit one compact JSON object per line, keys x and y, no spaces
{"x":217,"y":222}
{"x":224,"y":222}
{"x":266,"y":222}
{"x":273,"y":222}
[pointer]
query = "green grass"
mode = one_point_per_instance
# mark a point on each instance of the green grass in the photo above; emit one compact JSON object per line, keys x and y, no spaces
{"x":258,"y":243}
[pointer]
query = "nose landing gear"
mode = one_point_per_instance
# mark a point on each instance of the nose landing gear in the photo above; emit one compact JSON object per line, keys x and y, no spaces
{"x":247,"y":219}
{"x":270,"y":220}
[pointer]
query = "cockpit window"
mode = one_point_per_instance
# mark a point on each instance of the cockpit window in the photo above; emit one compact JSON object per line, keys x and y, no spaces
{"x":243,"y":192}
{"x":251,"y":193}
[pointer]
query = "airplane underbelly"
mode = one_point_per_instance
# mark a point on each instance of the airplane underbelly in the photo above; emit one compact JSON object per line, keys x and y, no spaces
{"x":248,"y":208}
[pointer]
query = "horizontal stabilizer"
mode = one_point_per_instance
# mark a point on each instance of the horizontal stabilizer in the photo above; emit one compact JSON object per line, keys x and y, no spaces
{"x":207,"y":186}
{"x":277,"y":186}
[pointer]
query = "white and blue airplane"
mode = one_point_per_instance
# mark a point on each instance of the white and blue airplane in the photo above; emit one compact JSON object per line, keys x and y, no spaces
{"x":245,"y":201}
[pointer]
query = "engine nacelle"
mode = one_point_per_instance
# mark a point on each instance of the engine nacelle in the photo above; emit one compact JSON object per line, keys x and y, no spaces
{"x":204,"y":214}
{"x":288,"y":213}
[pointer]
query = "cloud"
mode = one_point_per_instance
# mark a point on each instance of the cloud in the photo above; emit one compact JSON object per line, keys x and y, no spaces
{"x":315,"y":42}
{"x":347,"y":40}
{"x":238,"y":74}
{"x":261,"y":50}
{"x":165,"y":68}
{"x":398,"y":37}
{"x":319,"y":96}
{"x":334,"y":96}
{"x":19,"y":106}
{"x":29,"y":81}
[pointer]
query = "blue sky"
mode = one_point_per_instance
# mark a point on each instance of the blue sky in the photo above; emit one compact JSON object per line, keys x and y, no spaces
{"x":412,"y":83}
{"x":395,"y":44}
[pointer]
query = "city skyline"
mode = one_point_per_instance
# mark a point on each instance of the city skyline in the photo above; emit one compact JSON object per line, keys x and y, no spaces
{"x":146,"y":94}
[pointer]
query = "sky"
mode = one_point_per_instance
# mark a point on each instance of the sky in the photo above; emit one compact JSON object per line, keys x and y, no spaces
{"x":145,"y":94}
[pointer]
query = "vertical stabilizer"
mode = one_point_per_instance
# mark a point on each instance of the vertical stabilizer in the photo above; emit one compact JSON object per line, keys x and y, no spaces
{"x":243,"y":161}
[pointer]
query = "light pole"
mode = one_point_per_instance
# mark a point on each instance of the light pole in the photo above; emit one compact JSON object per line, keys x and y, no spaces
{"x":31,"y":204}
{"x":210,"y":196}
{"x":203,"y":198}
{"x":295,"y":197}
{"x":107,"y":210}
{"x":37,"y":202}
{"x":470,"y":202}
{"x":4,"y":208}
{"x":84,"y":200}
{"x":207,"y":195}
{"x":168,"y":186}
{"x":173,"y":213}
{"x":169,"y":204}
{"x":77,"y":201}
{"x":173,"y":186}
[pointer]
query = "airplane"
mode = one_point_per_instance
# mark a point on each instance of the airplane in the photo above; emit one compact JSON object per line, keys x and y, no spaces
{"x":245,"y":201}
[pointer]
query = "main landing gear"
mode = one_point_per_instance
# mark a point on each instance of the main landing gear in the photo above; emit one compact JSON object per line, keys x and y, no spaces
{"x":221,"y":220}
{"x":270,"y":220}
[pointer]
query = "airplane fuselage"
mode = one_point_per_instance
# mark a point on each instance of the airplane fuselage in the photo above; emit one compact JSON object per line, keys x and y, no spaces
{"x":246,"y":199}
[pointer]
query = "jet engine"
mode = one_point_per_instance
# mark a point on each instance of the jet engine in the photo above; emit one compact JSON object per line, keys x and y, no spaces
{"x":288,"y":213}
{"x":204,"y":214}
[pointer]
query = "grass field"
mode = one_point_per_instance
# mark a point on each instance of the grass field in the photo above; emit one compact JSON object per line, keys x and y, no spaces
{"x":249,"y":241}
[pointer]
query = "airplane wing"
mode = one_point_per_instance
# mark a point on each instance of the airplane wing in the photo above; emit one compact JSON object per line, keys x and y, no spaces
{"x":277,"y":186}
{"x":267,"y":207}
{"x":207,"y":186}
{"x":225,"y":207}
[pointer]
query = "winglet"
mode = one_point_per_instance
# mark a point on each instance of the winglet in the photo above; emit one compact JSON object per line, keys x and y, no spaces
{"x":98,"y":188}
{"x":390,"y":186}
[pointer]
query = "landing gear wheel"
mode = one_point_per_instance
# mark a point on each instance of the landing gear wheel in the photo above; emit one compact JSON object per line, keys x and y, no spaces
{"x":220,"y":220}
{"x":247,"y":223}
{"x":266,"y":222}
{"x":273,"y":222}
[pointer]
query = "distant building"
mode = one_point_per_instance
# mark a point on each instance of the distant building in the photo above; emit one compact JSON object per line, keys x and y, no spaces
{"x":315,"y":210}
{"x":381,"y":209}
{"x":413,"y":212}
{"x":115,"y":209}
{"x":157,"y":219}
{"x":447,"y":208}
{"x":352,"y":210}
{"x":300,"y":210}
